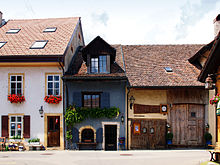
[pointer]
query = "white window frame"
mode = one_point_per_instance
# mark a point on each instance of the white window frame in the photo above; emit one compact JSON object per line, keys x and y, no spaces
{"x":39,"y":44}
{"x":101,"y":62}
{"x":97,"y":60}
{"x":16,"y":82}
{"x":2,"y":44}
{"x":16,"y":125}
{"x":13,"y":31}
{"x":50,"y":29}
{"x":53,"y":81}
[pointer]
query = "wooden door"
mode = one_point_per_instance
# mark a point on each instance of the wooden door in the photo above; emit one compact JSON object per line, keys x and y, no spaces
{"x":53,"y":131}
{"x":110,"y":137}
{"x":151,"y":135}
{"x":187,"y":124}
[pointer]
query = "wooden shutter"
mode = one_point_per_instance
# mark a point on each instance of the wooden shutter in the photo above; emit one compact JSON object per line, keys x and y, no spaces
{"x":75,"y":134}
{"x":77,"y":99}
{"x":5,"y":126}
{"x":108,"y":64}
{"x":105,"y":100}
{"x":99,"y":135}
{"x":26,"y":133}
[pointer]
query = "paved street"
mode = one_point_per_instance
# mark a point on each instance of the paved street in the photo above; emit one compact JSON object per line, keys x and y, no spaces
{"x":151,"y":157}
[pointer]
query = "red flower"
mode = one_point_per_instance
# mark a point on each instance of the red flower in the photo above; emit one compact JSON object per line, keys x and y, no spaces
{"x":52,"y":99}
{"x":214,"y":99}
{"x":13,"y":98}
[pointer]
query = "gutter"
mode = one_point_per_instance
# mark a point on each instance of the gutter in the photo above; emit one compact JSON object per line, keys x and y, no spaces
{"x":127,"y":118}
{"x":95,"y":78}
{"x":167,"y":87}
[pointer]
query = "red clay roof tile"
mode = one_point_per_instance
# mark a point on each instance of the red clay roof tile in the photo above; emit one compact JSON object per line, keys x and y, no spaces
{"x":145,"y":65}
{"x":32,"y":30}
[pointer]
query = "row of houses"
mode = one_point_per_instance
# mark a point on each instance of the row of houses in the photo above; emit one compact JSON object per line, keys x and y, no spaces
{"x":45,"y":67}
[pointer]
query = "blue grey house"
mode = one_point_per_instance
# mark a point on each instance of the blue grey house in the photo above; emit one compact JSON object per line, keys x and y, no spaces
{"x":96,"y":79}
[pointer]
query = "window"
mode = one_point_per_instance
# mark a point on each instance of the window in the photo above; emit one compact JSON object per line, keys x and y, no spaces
{"x":193,"y":114}
{"x":91,"y":100}
{"x":39,"y":45}
{"x":99,"y":64}
{"x":53,"y":85}
{"x":94,"y":65}
{"x":16,"y":126}
{"x":168,"y":69}
{"x":50,"y":29}
{"x":13,"y":31}
{"x":2,"y":44}
{"x":16,"y":84}
{"x":102,"y":64}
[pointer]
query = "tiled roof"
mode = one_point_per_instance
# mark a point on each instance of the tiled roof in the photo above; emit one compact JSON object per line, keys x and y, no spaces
{"x":117,"y":68}
{"x":32,"y":30}
{"x":145,"y":65}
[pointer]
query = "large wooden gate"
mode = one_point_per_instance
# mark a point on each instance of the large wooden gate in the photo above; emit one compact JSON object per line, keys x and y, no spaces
{"x":187,"y":124}
{"x":151,"y":135}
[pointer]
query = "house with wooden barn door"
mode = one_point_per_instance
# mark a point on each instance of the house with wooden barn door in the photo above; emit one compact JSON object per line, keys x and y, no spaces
{"x":95,"y":87}
{"x":163,"y":92}
{"x":207,"y":61}
{"x":34,"y":53}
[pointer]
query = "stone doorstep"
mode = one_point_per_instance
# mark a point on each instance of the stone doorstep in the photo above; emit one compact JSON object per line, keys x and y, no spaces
{"x":53,"y":148}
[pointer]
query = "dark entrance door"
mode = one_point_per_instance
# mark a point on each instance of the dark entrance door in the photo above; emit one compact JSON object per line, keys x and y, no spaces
{"x":110,"y":137}
{"x":53,"y":131}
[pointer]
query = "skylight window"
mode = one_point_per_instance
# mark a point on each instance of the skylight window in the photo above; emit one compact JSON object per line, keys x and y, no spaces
{"x":13,"y":31}
{"x":39,"y":44}
{"x":50,"y":29}
{"x":2,"y":44}
{"x":168,"y":69}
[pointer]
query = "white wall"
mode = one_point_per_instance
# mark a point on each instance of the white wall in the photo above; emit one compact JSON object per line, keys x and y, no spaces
{"x":34,"y":93}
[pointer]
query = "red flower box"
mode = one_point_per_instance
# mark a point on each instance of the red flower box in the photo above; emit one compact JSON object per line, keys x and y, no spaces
{"x":52,"y":99}
{"x":13,"y":98}
{"x":214,"y":99}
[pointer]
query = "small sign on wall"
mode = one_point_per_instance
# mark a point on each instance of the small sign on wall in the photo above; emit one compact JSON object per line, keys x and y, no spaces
{"x":2,"y":140}
{"x":137,"y":128}
{"x":164,"y":108}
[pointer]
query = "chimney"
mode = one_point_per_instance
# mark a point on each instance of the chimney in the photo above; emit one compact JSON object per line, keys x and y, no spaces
{"x":0,"y":18}
{"x":216,"y":22}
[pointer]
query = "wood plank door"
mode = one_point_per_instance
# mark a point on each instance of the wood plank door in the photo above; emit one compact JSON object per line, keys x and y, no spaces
{"x":187,"y":124}
{"x":53,"y":131}
{"x":151,"y":135}
{"x":196,"y":124}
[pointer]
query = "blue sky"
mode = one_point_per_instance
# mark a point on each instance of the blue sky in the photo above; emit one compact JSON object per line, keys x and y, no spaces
{"x":128,"y":21}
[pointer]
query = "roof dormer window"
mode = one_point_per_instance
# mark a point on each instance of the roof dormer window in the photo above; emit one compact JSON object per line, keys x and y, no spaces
{"x":2,"y":44}
{"x":99,"y":64}
{"x":13,"y":31}
{"x":168,"y":69}
{"x":50,"y":29}
{"x":39,"y":44}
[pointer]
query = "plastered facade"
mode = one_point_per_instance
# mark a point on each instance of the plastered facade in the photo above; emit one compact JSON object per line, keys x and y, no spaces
{"x":34,"y":92}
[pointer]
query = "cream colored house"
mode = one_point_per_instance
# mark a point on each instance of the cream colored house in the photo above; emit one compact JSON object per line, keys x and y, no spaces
{"x":34,"y":54}
{"x":163,"y":92}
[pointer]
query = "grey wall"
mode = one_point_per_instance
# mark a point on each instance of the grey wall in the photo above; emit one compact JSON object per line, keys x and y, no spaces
{"x":116,"y":89}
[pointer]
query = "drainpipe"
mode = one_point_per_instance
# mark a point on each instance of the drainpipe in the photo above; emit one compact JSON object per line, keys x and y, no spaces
{"x":127,"y":116}
{"x":64,"y":91}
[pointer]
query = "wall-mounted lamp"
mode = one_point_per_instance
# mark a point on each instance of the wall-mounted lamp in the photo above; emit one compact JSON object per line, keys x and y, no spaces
{"x":41,"y":111}
{"x":132,"y":99}
{"x":209,"y":82}
{"x":122,"y":119}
